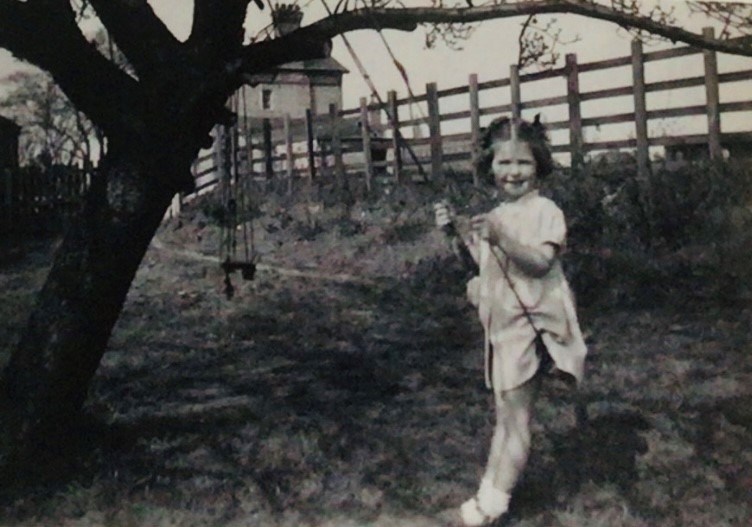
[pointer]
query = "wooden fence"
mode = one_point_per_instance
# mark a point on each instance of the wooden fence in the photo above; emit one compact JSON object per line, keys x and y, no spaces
{"x":335,"y":145}
{"x":377,"y":140}
{"x":34,"y":200}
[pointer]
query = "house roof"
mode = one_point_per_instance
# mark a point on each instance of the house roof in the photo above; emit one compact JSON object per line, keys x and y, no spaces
{"x":327,"y":64}
{"x":314,"y":67}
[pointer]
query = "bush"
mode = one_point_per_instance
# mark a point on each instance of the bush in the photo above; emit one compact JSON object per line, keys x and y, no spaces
{"x":634,"y":242}
{"x":682,"y":233}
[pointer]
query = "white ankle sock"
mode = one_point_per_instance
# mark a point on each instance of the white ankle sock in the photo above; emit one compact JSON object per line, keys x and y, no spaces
{"x":470,"y":514}
{"x":487,"y":505}
{"x":492,"y":501}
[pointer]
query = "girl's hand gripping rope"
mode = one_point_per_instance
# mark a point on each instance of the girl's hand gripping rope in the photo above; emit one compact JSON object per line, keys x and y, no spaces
{"x":484,"y":229}
{"x":444,"y":216}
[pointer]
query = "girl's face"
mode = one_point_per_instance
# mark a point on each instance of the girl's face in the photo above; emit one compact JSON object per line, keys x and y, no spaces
{"x":514,"y":168}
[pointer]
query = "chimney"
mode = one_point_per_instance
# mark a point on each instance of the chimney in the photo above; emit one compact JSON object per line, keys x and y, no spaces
{"x":286,"y":18}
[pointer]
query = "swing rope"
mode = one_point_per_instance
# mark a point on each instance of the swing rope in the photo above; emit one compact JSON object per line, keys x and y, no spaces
{"x":250,"y":250}
{"x":374,"y":92}
{"x":234,"y":197}
{"x":397,"y":64}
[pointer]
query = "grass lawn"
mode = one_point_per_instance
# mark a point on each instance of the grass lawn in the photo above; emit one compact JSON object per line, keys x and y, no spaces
{"x":313,"y":399}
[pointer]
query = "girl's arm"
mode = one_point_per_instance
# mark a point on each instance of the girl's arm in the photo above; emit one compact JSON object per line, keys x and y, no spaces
{"x":533,"y":259}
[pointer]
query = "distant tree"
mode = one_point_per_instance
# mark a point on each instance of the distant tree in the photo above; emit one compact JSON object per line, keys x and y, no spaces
{"x":52,"y":130}
{"x":156,"y":117}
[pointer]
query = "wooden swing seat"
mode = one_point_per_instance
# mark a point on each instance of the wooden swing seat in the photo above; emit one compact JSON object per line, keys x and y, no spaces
{"x":247,"y":269}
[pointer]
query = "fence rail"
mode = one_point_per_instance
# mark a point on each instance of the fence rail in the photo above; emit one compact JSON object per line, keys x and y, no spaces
{"x":374,"y":140}
{"x":386,"y":140}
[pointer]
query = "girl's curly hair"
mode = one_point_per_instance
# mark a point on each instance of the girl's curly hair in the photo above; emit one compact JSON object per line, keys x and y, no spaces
{"x":533,"y":134}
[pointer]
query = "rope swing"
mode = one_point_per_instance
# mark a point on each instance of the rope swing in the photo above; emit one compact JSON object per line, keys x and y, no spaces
{"x":235,"y":204}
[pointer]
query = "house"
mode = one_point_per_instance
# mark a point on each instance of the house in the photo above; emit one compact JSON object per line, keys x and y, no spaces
{"x":291,"y":88}
{"x":9,"y":132}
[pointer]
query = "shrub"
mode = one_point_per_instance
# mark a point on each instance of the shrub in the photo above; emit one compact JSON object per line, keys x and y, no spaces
{"x":632,"y":242}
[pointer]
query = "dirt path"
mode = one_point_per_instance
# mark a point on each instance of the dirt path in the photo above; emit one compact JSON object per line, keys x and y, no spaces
{"x":264,"y":268}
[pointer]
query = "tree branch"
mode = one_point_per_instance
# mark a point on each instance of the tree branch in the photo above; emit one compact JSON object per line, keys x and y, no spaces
{"x":139,"y":33}
{"x":218,"y":24}
{"x":407,"y":19}
{"x":302,"y":44}
{"x":44,"y":33}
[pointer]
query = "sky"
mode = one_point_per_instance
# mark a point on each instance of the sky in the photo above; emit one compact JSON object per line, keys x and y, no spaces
{"x":488,"y":53}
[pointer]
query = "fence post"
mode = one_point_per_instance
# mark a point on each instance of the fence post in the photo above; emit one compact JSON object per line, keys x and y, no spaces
{"x":8,"y":197}
{"x":434,"y":128}
{"x":309,"y":145}
{"x":319,"y":121}
{"x":712,"y":98}
{"x":194,"y":171}
{"x":266,"y":130}
{"x":20,"y":189}
{"x":365,"y":132}
{"x":289,"y":153}
{"x":474,"y":126}
{"x":176,"y":204}
{"x":514,"y":90}
{"x":218,"y":158}
{"x":339,"y":165}
{"x":227,"y":181}
{"x":216,"y":151}
{"x":396,"y":144}
{"x":575,"y":116}
{"x":641,"y":113}
{"x":644,"y":184}
{"x":249,"y":151}
{"x":374,"y":116}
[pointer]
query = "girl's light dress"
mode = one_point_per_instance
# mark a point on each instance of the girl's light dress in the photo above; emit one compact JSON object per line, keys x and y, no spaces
{"x":509,"y":347}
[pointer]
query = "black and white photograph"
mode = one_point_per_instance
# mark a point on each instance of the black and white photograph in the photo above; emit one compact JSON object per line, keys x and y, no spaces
{"x":375,"y":263}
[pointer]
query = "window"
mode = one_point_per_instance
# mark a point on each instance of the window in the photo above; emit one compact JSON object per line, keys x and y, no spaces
{"x":266,"y":99}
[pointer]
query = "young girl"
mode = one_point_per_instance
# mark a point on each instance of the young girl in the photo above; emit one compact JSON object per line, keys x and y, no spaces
{"x":523,"y":300}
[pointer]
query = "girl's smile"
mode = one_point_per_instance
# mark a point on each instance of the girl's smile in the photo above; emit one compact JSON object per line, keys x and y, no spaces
{"x":514,"y":168}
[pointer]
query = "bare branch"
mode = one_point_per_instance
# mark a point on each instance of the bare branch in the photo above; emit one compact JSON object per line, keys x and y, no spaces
{"x":451,"y":34}
{"x":539,"y":43}
{"x":523,"y":58}
{"x":735,"y":16}
{"x":407,"y":19}
{"x":138,"y":32}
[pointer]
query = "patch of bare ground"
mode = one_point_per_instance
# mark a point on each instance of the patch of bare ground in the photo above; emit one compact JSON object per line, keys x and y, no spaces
{"x":309,"y":401}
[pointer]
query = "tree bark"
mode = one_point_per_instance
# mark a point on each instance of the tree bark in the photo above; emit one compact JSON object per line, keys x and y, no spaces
{"x":46,"y":381}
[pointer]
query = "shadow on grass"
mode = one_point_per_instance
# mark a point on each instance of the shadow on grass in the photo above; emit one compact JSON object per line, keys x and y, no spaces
{"x":318,"y":412}
{"x":603,"y":451}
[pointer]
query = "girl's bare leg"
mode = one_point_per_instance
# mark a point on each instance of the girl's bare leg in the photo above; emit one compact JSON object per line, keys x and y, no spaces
{"x":510,"y":447}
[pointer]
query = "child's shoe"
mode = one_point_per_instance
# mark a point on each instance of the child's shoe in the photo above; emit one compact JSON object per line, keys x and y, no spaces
{"x":485,"y":507}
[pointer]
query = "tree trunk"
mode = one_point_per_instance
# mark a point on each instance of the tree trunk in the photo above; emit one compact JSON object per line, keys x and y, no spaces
{"x":48,"y":376}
